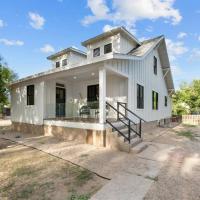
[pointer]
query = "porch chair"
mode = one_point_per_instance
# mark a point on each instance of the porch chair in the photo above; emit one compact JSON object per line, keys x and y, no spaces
{"x":84,"y":110}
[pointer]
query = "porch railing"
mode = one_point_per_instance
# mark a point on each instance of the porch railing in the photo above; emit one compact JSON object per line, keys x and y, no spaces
{"x":73,"y":109}
{"x":132,"y":127}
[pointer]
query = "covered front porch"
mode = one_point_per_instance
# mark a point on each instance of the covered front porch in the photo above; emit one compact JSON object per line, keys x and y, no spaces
{"x":77,"y":97}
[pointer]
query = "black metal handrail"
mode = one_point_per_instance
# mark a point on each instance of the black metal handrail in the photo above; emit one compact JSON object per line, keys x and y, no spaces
{"x":114,"y":127}
{"x":121,"y":104}
{"x":128,"y":110}
{"x":118,"y":112}
{"x":128,"y":125}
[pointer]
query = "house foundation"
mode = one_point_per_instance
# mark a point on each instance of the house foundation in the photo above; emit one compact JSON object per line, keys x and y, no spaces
{"x":32,"y":129}
{"x":99,"y":138}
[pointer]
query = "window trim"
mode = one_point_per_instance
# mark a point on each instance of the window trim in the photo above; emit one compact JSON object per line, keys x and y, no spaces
{"x":64,"y":60}
{"x":140,"y":98}
{"x":98,"y":48}
{"x":57,"y":62}
{"x":110,"y":46}
{"x":28,"y":101}
{"x":155,"y":65}
{"x":155,"y":96}
{"x":166,"y":101}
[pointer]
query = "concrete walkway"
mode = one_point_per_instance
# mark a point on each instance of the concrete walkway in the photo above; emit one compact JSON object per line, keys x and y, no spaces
{"x":135,"y":181}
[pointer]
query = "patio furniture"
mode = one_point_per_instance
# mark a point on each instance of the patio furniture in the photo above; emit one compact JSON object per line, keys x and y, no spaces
{"x":84,"y":110}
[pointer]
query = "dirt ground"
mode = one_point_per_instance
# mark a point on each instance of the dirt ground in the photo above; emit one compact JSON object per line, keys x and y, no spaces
{"x":26,"y":173}
{"x":179,"y":179}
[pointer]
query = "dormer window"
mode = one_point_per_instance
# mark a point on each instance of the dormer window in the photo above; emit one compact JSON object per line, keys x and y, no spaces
{"x":155,"y":63}
{"x":108,"y":48}
{"x":64,"y":62}
{"x":96,"y":52}
{"x":57,"y":64}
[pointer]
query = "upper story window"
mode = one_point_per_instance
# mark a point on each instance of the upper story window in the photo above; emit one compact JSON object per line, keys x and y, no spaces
{"x":57,"y":64}
{"x":108,"y":48}
{"x":154,"y":100}
{"x":30,"y":94}
{"x":64,"y":62}
{"x":96,"y":52}
{"x":140,"y":96}
{"x":155,"y":67}
{"x":166,"y":101}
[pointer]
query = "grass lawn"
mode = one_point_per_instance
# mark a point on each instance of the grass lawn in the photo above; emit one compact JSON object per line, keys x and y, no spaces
{"x":26,"y":173}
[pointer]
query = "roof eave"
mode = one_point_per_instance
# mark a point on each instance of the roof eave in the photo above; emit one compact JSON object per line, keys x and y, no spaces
{"x":70,"y":49}
{"x":110,"y":33}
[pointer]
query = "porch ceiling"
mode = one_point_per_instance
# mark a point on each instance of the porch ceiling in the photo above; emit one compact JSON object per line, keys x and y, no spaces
{"x":83,"y":74}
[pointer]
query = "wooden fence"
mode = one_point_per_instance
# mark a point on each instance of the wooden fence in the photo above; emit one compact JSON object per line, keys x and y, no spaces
{"x":191,"y":119}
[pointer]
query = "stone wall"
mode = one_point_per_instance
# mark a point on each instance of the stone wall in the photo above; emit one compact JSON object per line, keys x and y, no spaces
{"x":28,"y":128}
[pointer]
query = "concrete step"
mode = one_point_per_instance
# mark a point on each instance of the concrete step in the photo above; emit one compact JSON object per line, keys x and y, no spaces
{"x":135,"y":141}
{"x":125,"y":132}
{"x":139,"y":148}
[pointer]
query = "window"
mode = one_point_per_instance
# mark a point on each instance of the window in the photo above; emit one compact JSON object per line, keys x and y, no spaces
{"x":166,"y":101}
{"x":60,"y":85}
{"x":92,"y":93}
{"x":154,"y":100}
{"x":140,"y":96}
{"x":108,"y":48}
{"x":96,"y":52}
{"x":30,"y":94}
{"x":57,"y":64}
{"x":64,"y":62}
{"x":155,"y":65}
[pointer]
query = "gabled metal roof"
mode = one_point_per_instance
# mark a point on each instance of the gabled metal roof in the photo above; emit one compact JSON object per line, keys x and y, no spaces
{"x":145,"y":46}
{"x":111,"y":33}
{"x":67,"y":50}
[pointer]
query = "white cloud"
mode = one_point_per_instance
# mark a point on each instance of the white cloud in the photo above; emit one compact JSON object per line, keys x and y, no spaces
{"x":195,"y":54}
{"x":199,"y":38}
{"x":128,"y":12}
{"x":175,"y":49}
{"x":176,"y":70}
{"x":108,"y":28}
{"x":47,"y":48}
{"x":36,"y":21}
{"x":181,"y":35}
{"x":99,"y":10}
{"x":11,"y":42}
{"x":149,"y":29}
{"x":2,"y":23}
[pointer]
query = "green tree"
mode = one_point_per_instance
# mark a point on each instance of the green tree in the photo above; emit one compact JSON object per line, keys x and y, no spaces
{"x":6,"y":77}
{"x":186,"y":100}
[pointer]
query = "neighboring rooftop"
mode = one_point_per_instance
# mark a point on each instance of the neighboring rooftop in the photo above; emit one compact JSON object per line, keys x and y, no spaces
{"x":64,"y":51}
{"x":111,"y":33}
{"x":145,"y":46}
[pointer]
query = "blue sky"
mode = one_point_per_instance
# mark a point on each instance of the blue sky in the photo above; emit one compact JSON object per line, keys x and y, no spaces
{"x":31,"y":30}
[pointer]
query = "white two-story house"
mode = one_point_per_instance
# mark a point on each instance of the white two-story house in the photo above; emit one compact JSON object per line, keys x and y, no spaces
{"x":119,"y":82}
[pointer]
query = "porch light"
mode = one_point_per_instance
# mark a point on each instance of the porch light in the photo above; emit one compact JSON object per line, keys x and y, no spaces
{"x":74,"y":77}
{"x":92,"y":73}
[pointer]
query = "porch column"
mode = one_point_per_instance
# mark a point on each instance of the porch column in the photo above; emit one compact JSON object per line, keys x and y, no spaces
{"x":102,"y":95}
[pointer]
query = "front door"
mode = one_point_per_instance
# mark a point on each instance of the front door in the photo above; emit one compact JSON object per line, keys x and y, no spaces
{"x":60,"y":102}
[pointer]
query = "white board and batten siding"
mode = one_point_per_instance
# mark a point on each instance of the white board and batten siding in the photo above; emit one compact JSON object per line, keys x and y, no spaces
{"x":23,"y":113}
{"x":72,"y":58}
{"x":141,"y":72}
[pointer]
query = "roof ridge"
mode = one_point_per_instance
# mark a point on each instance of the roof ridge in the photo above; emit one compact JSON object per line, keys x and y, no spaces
{"x":65,"y":50}
{"x":154,"y":38}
